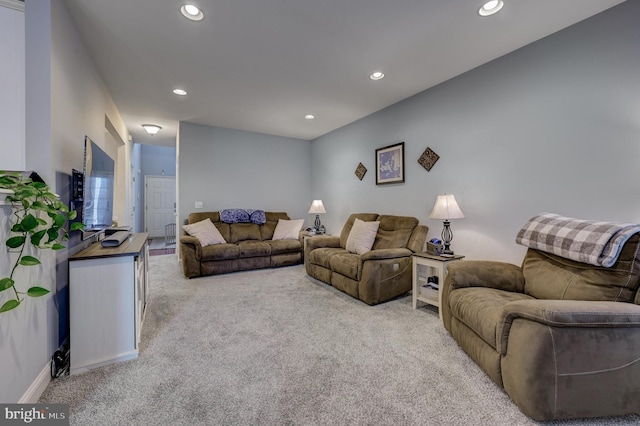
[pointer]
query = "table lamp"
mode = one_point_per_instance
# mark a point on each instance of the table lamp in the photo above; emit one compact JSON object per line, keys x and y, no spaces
{"x":446,"y":208}
{"x":317,"y":208}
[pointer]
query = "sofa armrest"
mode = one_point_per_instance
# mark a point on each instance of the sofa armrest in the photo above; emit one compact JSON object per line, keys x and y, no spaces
{"x":385,"y":254}
{"x":322,"y":241}
{"x":567,"y":313}
{"x":478,"y":273}
{"x":193,"y":243}
{"x":484,"y":273}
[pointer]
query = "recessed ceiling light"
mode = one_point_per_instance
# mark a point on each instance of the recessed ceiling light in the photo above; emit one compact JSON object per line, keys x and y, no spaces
{"x":376,"y":75}
{"x":192,"y":12}
{"x":309,"y":116}
{"x":491,"y":7}
{"x":180,"y":92}
{"x":152,"y":129}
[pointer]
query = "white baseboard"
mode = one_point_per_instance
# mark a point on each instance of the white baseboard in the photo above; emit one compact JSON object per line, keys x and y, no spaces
{"x":32,"y":395}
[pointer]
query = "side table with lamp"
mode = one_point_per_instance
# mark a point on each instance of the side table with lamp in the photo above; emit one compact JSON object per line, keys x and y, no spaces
{"x":445,"y":208}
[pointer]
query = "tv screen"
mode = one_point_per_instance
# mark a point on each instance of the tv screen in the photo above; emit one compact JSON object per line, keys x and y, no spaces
{"x":99,"y":169}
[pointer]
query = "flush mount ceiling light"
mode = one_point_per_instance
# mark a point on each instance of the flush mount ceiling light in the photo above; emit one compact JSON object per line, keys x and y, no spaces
{"x":152,"y":129}
{"x":192,"y":12}
{"x":309,"y":116}
{"x":491,"y":7}
{"x":180,"y":92}
{"x":376,"y":76}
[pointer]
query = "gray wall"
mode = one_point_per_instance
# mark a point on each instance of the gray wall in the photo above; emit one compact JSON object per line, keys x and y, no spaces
{"x":57,"y":69}
{"x":158,"y":160}
{"x":12,"y":101}
{"x":228,"y":168}
{"x":554,"y":126}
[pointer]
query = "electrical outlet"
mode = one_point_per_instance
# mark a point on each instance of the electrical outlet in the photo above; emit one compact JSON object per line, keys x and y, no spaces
{"x":199,"y":205}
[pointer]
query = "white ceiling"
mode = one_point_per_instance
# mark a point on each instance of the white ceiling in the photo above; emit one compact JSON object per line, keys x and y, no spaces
{"x":261,"y":65}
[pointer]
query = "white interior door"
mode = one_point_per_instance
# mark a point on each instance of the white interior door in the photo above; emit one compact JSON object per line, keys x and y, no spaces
{"x":160,"y":203}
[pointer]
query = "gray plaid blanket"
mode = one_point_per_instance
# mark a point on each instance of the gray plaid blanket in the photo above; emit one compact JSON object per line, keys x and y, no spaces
{"x":586,"y":241}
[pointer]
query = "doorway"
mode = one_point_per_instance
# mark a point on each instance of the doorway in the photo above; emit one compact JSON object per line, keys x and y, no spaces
{"x":160,"y":204}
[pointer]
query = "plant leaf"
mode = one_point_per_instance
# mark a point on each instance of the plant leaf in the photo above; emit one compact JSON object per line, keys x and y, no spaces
{"x":77,"y":226}
{"x":7,"y":181}
{"x":57,"y":246}
{"x":39,"y":205}
{"x":37,"y":291}
{"x":29,"y":261}
{"x":11,"y":304}
{"x":6,"y":283}
{"x":15,"y":242}
{"x":59,"y":220}
{"x":29,"y":223}
{"x":37,"y":237}
{"x":53,"y":233}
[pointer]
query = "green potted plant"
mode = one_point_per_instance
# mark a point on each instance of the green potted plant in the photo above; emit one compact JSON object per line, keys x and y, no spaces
{"x":39,"y":218}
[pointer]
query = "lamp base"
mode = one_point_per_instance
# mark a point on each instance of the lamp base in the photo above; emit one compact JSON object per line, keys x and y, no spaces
{"x":447,"y":236}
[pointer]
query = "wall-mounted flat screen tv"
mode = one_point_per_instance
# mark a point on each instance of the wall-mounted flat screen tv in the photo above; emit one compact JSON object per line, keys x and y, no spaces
{"x":98,"y":187}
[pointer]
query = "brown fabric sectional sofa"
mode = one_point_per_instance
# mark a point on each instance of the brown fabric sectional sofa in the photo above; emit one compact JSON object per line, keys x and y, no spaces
{"x":249,"y":246}
{"x":561,"y":337}
{"x":376,"y":276}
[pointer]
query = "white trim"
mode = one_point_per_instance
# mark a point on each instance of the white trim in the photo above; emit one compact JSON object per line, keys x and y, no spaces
{"x":32,"y":395}
{"x":13,"y":4}
{"x":106,"y":361}
{"x":3,"y":194}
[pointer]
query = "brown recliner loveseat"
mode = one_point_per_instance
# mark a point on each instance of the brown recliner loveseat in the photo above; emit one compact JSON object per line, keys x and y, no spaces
{"x":376,"y":276}
{"x":561,"y":337}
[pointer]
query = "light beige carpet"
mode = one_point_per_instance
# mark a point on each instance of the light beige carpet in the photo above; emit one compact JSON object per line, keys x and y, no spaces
{"x":273,"y":347}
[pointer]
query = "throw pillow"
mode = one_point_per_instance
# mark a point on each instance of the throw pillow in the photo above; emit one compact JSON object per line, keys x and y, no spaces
{"x":362,"y":236}
{"x":287,"y":229}
{"x":258,"y":217}
{"x":205,"y":231}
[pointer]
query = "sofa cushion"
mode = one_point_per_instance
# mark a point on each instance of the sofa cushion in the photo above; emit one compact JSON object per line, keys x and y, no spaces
{"x":253,"y":248}
{"x":287,"y":229}
{"x":347,"y":264}
{"x":205,"y":231}
{"x":322,"y":256}
{"x":197,"y":217}
{"x":284,"y":246}
{"x":548,"y":276}
{"x":244,"y":232}
{"x":220,"y":252}
{"x":362,"y":236}
{"x":394,"y":231}
{"x":480,"y":309}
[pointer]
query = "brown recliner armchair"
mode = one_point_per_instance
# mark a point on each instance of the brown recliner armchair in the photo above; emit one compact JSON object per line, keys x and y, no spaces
{"x":561,"y":337}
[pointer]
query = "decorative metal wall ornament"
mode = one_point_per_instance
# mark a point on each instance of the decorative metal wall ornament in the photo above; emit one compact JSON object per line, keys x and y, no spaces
{"x":361,"y":170}
{"x":428,"y":159}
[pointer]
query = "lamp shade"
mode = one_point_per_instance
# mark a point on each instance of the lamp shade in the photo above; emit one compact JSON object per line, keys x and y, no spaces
{"x":446,"y":208}
{"x":317,"y":207}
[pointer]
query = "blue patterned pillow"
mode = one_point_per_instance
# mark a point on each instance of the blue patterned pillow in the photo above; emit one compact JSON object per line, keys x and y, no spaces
{"x":258,"y":217}
{"x":235,"y":216}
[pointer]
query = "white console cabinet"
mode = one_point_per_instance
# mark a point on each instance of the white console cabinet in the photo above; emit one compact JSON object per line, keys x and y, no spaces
{"x":108,"y":289}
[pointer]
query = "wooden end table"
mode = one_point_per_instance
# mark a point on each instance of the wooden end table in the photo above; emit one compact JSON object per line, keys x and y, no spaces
{"x":434,"y":265}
